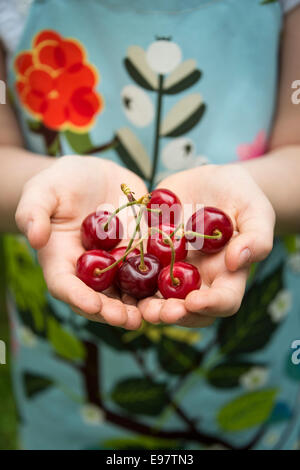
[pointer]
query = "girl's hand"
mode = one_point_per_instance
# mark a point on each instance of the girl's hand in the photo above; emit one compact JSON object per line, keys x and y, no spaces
{"x":224,"y":274}
{"x":51,"y":209}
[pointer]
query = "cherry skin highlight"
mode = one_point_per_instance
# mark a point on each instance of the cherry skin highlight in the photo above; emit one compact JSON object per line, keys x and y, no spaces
{"x":118,"y":252}
{"x":158,"y":246}
{"x":188,"y":278}
{"x":93,"y":235}
{"x":88,"y":262}
{"x":170,"y":207}
{"x":209,"y":220}
{"x":139,"y":284}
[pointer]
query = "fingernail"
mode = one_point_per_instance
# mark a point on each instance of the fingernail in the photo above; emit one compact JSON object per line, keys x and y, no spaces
{"x":244,"y":257}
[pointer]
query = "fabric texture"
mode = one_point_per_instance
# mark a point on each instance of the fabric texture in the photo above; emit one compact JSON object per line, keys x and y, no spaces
{"x":13,"y":16}
{"x":82,"y":385}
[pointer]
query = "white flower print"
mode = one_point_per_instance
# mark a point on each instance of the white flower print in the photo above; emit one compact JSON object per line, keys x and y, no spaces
{"x":163,"y":56}
{"x":280,"y":306}
{"x":180,"y":154}
{"x":27,"y":337}
{"x":294,"y":262}
{"x":255,"y":378}
{"x":92,"y":414}
{"x":137,"y":106}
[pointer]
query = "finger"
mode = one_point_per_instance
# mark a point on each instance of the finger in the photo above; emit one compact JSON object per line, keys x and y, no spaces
{"x":255,"y":239}
{"x":222,"y":299}
{"x":66,"y":287}
{"x":58,"y":261}
{"x":33,"y":214}
{"x":192,"y":320}
{"x":172,"y":310}
{"x":150,"y":309}
{"x":134,"y":318}
{"x":91,"y":317}
{"x":113,"y":311}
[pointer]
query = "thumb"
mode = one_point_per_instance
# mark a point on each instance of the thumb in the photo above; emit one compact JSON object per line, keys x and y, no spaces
{"x":35,"y":208}
{"x":254,"y":241}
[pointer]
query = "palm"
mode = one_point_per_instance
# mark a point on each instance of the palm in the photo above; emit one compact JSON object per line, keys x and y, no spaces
{"x":82,"y":185}
{"x":232,"y":190}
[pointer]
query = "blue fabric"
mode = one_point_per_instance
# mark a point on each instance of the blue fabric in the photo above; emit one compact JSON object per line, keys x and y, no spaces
{"x":234,"y":44}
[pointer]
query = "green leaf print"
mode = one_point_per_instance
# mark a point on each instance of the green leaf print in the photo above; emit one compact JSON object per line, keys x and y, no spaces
{"x":140,"y":396}
{"x":176,"y":357}
{"x":137,"y":443}
{"x":35,"y":384}
{"x":227,"y":375}
{"x":80,"y":143}
{"x":252,"y":327}
{"x":247,"y":411}
{"x":183,"y":116}
{"x":290,"y":243}
{"x":25,"y":279}
{"x":265,"y":2}
{"x":63,"y":342}
{"x":132,"y":153}
{"x":139,"y":70}
{"x":183,"y":77}
{"x":108,"y":334}
{"x":117,"y":338}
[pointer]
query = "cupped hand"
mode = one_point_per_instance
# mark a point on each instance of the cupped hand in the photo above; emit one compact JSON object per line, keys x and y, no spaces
{"x":224,"y":275}
{"x":51,"y":209}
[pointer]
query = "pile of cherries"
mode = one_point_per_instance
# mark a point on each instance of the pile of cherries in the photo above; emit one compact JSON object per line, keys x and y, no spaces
{"x":162,"y":267}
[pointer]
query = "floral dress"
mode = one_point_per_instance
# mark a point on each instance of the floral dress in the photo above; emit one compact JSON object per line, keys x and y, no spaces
{"x":158,"y":87}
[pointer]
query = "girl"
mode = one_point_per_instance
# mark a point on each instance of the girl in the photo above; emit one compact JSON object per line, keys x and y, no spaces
{"x":162,"y":89}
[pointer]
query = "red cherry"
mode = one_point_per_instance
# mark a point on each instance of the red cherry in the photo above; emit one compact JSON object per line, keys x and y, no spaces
{"x":157,"y":246}
{"x":93,"y":235}
{"x":96,"y":259}
{"x":118,"y":252}
{"x":170,"y":207}
{"x":135,"y":282}
{"x":187,"y":275}
{"x":209,"y":220}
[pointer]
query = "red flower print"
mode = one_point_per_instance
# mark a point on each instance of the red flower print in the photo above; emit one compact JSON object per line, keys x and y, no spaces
{"x":56,"y":84}
{"x":254,"y":149}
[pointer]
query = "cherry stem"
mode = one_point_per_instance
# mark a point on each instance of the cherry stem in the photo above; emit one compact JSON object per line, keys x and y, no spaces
{"x":128,"y":204}
{"x":167,"y":238}
{"x":98,"y":272}
{"x":142,"y":266}
{"x":176,"y":230}
{"x":217,"y":236}
{"x":129,"y":194}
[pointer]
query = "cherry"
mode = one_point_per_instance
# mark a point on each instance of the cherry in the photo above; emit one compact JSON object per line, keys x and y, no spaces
{"x":136,"y":282}
{"x":118,"y":252}
{"x":88,"y":264}
{"x":209,"y":221}
{"x":95,"y":236}
{"x":186,"y":276}
{"x":158,"y":245}
{"x":170,"y":207}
